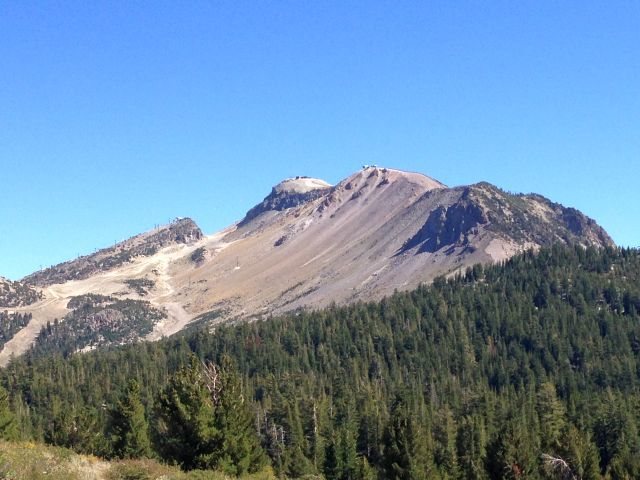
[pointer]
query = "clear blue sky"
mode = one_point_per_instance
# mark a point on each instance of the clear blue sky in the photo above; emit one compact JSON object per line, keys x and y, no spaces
{"x":115,"y":116}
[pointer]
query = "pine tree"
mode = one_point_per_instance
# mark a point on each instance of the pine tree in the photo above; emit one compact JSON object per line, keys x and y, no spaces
{"x":579,"y":453}
{"x":470,"y":445}
{"x":185,"y":425}
{"x":128,"y":429}
{"x":331,"y":467}
{"x":364,"y":471}
{"x":238,"y":447}
{"x":551,"y":417}
{"x":444,"y":433}
{"x":8,"y":427}
{"x":405,"y":454}
{"x":513,"y":454}
{"x":296,"y":463}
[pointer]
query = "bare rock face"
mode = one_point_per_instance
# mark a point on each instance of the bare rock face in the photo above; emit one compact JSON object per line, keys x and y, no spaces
{"x":287,"y":194}
{"x":448,"y":226}
{"x":181,"y":230}
{"x":459,"y":217}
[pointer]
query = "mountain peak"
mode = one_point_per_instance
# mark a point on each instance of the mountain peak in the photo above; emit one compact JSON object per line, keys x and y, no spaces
{"x":389,"y":175}
{"x":288,"y":194}
{"x":300,"y":185}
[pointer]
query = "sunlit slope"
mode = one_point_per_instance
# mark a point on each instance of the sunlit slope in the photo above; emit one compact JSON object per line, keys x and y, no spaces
{"x":309,"y":244}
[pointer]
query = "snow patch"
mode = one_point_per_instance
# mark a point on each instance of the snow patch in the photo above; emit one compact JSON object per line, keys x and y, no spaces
{"x":300,"y":185}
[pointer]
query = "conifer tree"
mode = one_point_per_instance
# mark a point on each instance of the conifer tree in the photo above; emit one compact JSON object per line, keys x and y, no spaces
{"x":128,"y":428}
{"x":470,"y":445}
{"x":185,"y":425}
{"x":579,"y":453}
{"x":204,"y":421}
{"x":238,"y":447}
{"x":364,"y":471}
{"x":8,"y":427}
{"x":513,"y":454}
{"x":551,"y":417}
{"x":405,"y":454}
{"x":331,"y":465}
{"x":295,"y":460}
{"x":444,"y":433}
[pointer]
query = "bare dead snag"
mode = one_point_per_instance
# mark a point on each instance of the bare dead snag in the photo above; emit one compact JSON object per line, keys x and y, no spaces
{"x":212,"y":381}
{"x":558,"y":466}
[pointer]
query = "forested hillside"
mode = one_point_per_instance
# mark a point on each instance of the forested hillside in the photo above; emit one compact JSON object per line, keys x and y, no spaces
{"x":530,"y":369}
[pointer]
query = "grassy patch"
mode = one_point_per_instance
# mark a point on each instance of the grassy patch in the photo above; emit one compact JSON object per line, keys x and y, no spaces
{"x":32,"y":461}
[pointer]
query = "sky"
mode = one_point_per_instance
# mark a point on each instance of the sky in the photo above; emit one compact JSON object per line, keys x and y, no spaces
{"x":117,"y":116}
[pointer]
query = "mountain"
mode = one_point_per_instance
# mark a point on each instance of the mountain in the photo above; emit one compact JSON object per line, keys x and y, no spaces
{"x":376,"y":231}
{"x":307,"y":244}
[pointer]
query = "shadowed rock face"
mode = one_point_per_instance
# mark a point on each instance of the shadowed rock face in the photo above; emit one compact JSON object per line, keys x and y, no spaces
{"x":581,"y":225}
{"x":282,"y":200}
{"x":446,"y":226}
{"x":183,"y":230}
{"x":459,"y":215}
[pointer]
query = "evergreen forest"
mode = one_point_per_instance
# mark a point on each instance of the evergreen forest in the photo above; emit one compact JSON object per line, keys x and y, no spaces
{"x":529,"y":369}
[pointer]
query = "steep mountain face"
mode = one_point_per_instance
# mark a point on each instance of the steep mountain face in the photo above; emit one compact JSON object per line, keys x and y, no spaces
{"x":457,"y":218}
{"x":376,"y":231}
{"x":182,"y":230}
{"x":307,"y":244}
{"x":288,"y":194}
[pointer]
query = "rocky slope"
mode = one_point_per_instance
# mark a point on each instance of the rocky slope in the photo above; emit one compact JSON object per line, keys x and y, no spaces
{"x":183,"y":230}
{"x":456,"y":218}
{"x":17,"y":294}
{"x":306,"y":245}
{"x":376,"y":231}
{"x":288,"y":194}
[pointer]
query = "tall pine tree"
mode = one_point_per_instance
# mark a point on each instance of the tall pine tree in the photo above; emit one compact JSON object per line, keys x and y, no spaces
{"x":185,"y":430}
{"x":128,"y":430}
{"x":8,"y":427}
{"x":405,"y":453}
{"x":238,"y":449}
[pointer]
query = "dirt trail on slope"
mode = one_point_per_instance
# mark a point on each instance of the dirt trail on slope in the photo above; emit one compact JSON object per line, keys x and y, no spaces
{"x":165,"y":289}
{"x":57,"y":296}
{"x":177,"y":317}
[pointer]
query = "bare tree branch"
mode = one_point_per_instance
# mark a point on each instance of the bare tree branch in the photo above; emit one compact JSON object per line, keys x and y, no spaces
{"x":558,"y":466}
{"x":213,"y":383}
